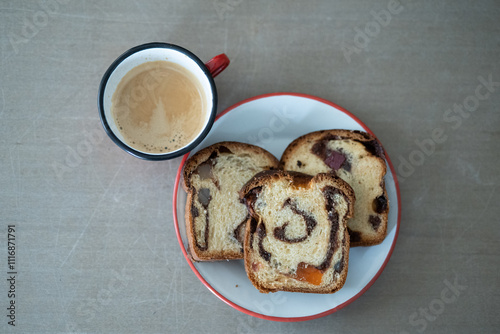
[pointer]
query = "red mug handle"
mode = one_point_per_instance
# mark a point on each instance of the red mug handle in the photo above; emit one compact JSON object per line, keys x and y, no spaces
{"x":217,"y":64}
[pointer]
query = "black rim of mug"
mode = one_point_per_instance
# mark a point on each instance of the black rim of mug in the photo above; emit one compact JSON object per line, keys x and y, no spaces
{"x":125,"y":147}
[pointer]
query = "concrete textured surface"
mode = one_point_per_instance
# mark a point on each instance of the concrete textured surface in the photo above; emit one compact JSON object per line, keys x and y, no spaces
{"x":95,"y":246}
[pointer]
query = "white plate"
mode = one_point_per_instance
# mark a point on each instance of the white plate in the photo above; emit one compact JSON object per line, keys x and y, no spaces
{"x":272,"y":121}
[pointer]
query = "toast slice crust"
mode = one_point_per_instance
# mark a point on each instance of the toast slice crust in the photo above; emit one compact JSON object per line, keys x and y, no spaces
{"x":215,"y":218}
{"x":296,"y":239}
{"x":356,"y":157}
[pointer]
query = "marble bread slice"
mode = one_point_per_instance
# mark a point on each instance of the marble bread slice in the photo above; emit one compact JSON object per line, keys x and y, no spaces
{"x":296,"y":238}
{"x":214,"y":216}
{"x":357,"y":158}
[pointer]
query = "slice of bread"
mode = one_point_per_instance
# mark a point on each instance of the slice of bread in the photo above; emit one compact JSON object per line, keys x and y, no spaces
{"x":356,"y":157}
{"x":215,"y":218}
{"x":296,"y":238}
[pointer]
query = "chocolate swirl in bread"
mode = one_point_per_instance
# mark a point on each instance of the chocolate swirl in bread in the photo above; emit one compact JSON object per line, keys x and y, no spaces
{"x":297,"y":237}
{"x":310,"y":223}
{"x":212,"y":178}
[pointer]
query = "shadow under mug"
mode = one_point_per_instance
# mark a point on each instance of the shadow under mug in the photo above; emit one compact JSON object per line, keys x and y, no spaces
{"x":204,"y":72}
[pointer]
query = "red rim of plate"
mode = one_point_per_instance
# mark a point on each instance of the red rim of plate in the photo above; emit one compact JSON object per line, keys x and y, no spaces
{"x":252,"y":313}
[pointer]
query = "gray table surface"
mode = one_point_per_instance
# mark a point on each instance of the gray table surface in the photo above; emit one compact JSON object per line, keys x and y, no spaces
{"x":87,"y":216}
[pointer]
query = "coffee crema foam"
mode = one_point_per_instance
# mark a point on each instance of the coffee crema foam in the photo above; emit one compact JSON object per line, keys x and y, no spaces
{"x":159,"y":107}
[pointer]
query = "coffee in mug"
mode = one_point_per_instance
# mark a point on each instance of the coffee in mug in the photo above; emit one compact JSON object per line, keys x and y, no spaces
{"x":159,"y":106}
{"x":158,"y":101}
